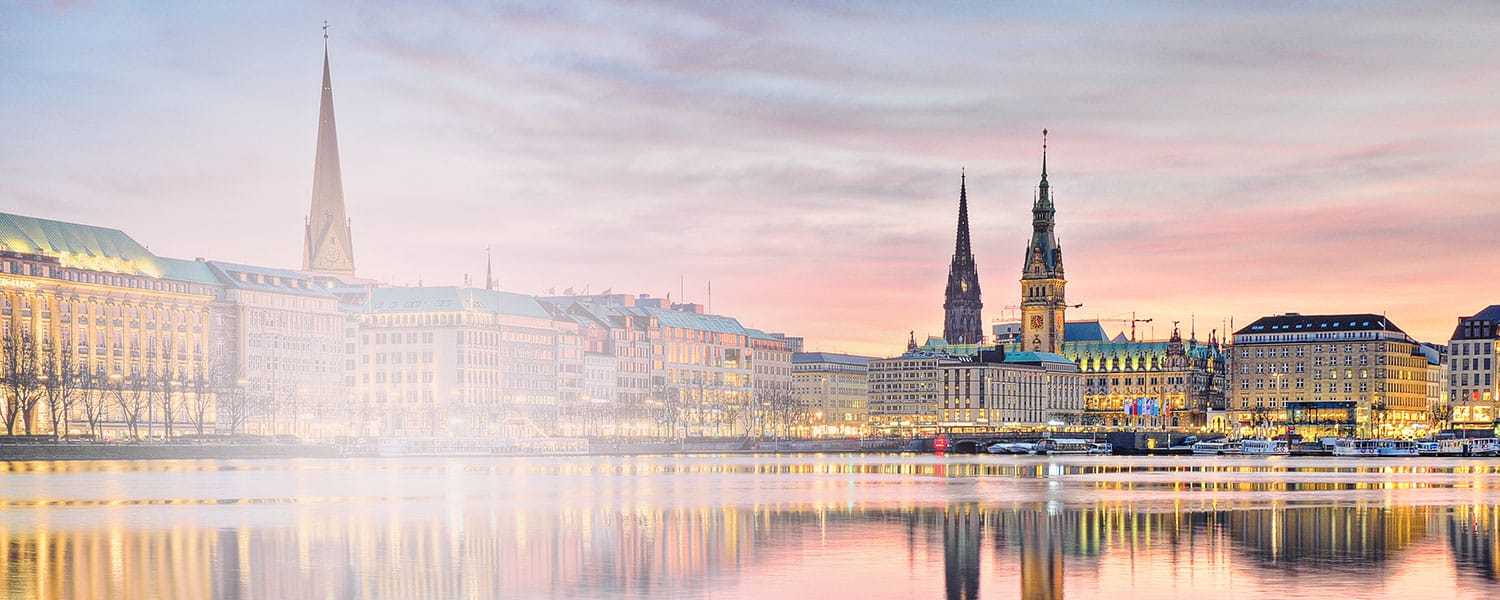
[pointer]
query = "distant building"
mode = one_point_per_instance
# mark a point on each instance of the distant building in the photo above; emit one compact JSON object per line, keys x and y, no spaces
{"x":994,"y":390}
{"x":1006,"y":333}
{"x":451,"y":361}
{"x":1329,"y":375}
{"x":831,"y":391}
{"x":282,"y":337}
{"x":1474,"y":369}
{"x":770,"y":379}
{"x":905,"y":393}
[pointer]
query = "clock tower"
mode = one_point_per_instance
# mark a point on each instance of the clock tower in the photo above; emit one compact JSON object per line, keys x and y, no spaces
{"x":1042,"y":301}
{"x":961,"y":323}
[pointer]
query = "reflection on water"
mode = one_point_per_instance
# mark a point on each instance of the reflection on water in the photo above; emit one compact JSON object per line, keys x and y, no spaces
{"x":751,"y":527}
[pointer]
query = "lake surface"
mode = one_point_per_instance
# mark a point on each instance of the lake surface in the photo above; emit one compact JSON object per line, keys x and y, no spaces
{"x":818,"y":526}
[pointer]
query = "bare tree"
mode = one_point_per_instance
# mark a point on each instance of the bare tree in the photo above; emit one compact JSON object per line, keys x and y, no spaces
{"x":22,"y":379}
{"x":60,"y":388}
{"x":130,"y":394}
{"x":195,"y":397}
{"x":95,"y":398}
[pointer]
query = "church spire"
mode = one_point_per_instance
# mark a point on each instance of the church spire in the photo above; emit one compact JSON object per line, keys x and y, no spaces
{"x":961,"y":323}
{"x":327,"y":244}
{"x":961,"y":245}
{"x":489,"y":276}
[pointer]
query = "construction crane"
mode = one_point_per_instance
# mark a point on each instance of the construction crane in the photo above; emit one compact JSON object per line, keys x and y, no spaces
{"x":1132,"y":321}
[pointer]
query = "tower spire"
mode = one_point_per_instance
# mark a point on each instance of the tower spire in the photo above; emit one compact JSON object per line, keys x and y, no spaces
{"x":489,"y":273}
{"x":327,"y":245}
{"x":961,"y":323}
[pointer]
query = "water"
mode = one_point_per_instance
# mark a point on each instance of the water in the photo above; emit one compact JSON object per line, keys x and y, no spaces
{"x":807,"y":526}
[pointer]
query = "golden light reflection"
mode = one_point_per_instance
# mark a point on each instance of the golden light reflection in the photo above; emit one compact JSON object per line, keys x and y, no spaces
{"x":728,"y":527}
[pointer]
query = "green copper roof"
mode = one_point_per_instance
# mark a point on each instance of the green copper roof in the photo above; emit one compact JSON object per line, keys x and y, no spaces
{"x":77,"y":245}
{"x":424,"y":299}
{"x":193,"y":271}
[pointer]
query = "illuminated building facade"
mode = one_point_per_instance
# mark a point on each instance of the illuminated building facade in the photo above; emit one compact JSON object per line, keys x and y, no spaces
{"x":1172,"y":384}
{"x":1043,"y":302}
{"x":129,"y":332}
{"x":770,"y":379}
{"x":906,"y":391}
{"x":830,"y":393}
{"x":1329,"y":375}
{"x":282,"y":344}
{"x":1474,"y":370}
{"x":994,"y":390}
{"x":451,"y":361}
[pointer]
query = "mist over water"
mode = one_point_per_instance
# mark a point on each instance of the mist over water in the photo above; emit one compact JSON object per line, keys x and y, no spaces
{"x":834,"y":526}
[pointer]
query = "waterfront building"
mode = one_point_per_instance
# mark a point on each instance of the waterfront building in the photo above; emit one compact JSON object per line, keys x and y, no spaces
{"x":1329,"y":375}
{"x":1171,"y":384}
{"x":905,"y":391}
{"x":831,"y":391}
{"x":327,"y":243}
{"x":281,"y":342}
{"x":1474,"y":370}
{"x":770,"y":381}
{"x":961,"y":305}
{"x":994,"y":390}
{"x":1043,"y":302}
{"x":89,"y":310}
{"x":453,"y":361}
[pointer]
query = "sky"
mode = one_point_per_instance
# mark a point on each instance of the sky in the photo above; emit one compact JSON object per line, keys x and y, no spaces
{"x":1207,"y":164}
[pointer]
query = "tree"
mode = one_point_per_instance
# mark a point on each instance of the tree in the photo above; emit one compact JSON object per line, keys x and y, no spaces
{"x":60,"y":388}
{"x":95,"y":398}
{"x":197,"y":403}
{"x":130,"y":394}
{"x":22,"y":379}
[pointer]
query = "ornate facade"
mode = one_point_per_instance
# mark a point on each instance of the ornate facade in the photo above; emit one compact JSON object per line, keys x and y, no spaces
{"x":961,"y":320}
{"x":1043,"y":304}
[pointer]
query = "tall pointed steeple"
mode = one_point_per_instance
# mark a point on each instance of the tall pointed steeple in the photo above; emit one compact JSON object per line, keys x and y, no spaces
{"x":327,"y":244}
{"x":961,"y":323}
{"x":489,"y":273}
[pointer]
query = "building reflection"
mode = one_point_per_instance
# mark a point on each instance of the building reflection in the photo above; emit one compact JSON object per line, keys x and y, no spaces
{"x":624,"y":545}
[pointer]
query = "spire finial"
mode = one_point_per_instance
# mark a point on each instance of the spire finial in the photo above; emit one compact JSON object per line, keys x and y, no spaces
{"x":325,"y":32}
{"x":1044,"y":155}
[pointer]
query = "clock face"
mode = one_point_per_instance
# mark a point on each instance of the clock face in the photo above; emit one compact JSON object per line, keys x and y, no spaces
{"x":1036,"y":320}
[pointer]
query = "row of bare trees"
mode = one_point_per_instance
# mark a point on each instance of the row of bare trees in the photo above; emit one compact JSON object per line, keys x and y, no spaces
{"x":38,"y":377}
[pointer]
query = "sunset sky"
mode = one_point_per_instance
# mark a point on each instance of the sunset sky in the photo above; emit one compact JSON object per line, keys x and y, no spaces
{"x":1241,"y":162}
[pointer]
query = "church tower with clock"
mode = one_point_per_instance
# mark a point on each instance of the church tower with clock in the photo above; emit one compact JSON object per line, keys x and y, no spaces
{"x":961,"y":305}
{"x":1042,"y":301}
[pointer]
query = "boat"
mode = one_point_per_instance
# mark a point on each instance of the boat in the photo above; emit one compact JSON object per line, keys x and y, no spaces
{"x":1453,"y":447}
{"x":1102,"y":448}
{"x":1483,"y":447}
{"x":1354,"y":447}
{"x":1011,"y":448}
{"x":1429,"y":448}
{"x":1264,"y":447}
{"x":1218,"y":447}
{"x":1063,"y":446}
{"x":1397,"y":448}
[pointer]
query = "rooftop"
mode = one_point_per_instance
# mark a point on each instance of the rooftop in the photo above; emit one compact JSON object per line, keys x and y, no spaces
{"x":1298,"y":323}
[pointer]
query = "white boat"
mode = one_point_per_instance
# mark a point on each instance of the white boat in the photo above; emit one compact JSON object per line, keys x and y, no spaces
{"x":1264,"y":447}
{"x":1011,"y":448}
{"x":1483,"y":447}
{"x":1453,"y":447}
{"x":1429,"y":448}
{"x":1397,"y":448}
{"x":1353,"y":447}
{"x":1216,"y":448}
{"x":1103,"y":448}
{"x":1063,"y":446}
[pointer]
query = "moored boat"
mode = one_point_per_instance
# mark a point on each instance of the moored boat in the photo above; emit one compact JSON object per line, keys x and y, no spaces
{"x":1429,"y":448}
{"x":1063,"y":446}
{"x":1101,"y":448}
{"x":1354,"y":447}
{"x":1216,"y":448}
{"x":1397,"y":448}
{"x":1483,"y":447}
{"x":1264,"y":447}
